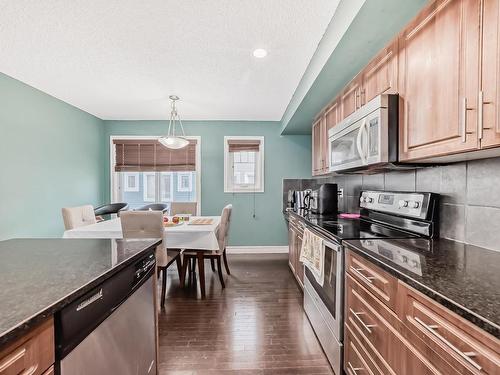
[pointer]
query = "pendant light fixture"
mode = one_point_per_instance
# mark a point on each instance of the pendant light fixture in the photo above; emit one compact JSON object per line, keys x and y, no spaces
{"x":171,"y":140}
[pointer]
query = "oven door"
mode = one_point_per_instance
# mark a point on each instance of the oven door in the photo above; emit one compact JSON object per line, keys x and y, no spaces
{"x":359,"y":144}
{"x":330,"y":295}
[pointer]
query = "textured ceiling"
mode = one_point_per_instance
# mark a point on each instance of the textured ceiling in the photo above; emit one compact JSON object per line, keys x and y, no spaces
{"x":120,"y":59}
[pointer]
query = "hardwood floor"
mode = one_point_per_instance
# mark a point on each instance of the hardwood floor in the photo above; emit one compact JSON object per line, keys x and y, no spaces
{"x":255,"y":325}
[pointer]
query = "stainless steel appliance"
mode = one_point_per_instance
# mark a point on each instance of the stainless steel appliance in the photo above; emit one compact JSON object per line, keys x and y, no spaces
{"x":324,"y":200}
{"x":302,"y":199}
{"x":368,"y":138}
{"x":384,"y":215}
{"x":111,"y":329}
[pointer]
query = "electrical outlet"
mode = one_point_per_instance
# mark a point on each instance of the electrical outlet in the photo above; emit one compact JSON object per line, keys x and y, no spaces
{"x":341,"y":192}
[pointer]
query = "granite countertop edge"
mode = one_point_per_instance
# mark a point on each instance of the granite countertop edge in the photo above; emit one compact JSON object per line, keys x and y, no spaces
{"x":472,"y":317}
{"x":15,"y":332}
{"x":457,"y":308}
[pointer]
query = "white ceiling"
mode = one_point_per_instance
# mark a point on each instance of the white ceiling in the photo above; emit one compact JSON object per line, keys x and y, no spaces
{"x":120,"y":59}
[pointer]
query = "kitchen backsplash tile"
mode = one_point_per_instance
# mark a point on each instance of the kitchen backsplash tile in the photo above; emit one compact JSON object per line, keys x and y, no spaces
{"x":483,"y":183}
{"x":482,"y":226}
{"x":400,"y":181}
{"x":454,"y":183}
{"x":452,"y":223}
{"x":470,"y":205}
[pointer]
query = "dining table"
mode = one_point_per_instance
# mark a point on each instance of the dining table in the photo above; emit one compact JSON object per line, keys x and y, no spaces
{"x":185,"y":235}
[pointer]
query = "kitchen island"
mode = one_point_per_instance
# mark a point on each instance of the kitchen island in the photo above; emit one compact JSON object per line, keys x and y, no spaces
{"x":40,"y":277}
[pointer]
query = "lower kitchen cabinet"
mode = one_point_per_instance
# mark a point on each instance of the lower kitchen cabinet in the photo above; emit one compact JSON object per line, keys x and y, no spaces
{"x":415,"y":335}
{"x":295,"y":232}
{"x":32,"y":354}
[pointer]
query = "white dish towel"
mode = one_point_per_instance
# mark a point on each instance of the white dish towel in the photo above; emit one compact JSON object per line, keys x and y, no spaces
{"x":312,"y":254}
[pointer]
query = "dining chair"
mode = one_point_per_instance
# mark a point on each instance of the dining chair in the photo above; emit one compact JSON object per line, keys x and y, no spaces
{"x":110,"y":208}
{"x":75,"y":217}
{"x":177,"y":208}
{"x":163,"y":207}
{"x":218,"y":255}
{"x":149,"y":224}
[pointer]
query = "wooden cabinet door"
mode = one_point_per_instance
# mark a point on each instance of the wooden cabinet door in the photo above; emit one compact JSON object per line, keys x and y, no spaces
{"x":291,"y":248}
{"x":332,"y":115}
{"x":350,"y":98}
{"x":490,"y":82}
{"x":316,"y":147}
{"x":381,"y":74}
{"x":299,"y":268}
{"x":439,"y":70}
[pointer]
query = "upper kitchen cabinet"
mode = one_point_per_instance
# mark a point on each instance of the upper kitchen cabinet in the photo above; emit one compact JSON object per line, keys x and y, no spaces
{"x":381,"y":74}
{"x":332,"y":115}
{"x":490,"y":82}
{"x":350,"y":98}
{"x":439,"y":80}
{"x":319,"y":154}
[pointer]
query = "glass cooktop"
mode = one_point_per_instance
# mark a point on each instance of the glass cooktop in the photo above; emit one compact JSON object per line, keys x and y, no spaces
{"x":346,"y":229}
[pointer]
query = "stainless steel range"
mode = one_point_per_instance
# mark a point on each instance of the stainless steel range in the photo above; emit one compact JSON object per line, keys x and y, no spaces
{"x":384,"y":214}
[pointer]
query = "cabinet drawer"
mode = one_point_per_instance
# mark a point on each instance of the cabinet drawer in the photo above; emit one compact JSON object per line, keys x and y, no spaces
{"x":31,"y":355}
{"x":357,"y":359}
{"x":379,"y":282}
{"x":50,"y":371}
{"x":458,"y":341}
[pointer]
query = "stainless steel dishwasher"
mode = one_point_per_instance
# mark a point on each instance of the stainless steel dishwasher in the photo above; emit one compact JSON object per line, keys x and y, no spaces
{"x":111,"y":329}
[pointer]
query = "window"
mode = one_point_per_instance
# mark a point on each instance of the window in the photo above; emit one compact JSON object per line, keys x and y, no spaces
{"x":149,"y":186}
{"x":144,"y":172}
{"x":131,"y":182}
{"x":166,"y":186}
{"x":184,"y":182}
{"x":244,"y":164}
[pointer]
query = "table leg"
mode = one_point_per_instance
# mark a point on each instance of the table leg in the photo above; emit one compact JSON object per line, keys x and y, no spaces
{"x":201,"y":272}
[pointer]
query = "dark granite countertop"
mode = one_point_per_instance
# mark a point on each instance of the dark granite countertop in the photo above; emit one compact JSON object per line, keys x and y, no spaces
{"x":464,"y":278}
{"x":40,"y":276}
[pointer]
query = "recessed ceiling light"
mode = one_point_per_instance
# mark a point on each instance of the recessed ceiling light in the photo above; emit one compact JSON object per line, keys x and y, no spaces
{"x":260,"y":53}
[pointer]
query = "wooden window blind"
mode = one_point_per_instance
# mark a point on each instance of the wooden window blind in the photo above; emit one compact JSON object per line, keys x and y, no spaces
{"x":143,"y":155}
{"x":237,"y":145}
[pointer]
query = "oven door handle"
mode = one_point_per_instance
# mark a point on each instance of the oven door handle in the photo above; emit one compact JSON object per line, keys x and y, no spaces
{"x":359,"y":142}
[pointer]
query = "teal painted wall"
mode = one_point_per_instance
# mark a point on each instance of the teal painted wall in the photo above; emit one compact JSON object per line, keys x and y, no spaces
{"x":50,"y":157}
{"x":285,"y":156}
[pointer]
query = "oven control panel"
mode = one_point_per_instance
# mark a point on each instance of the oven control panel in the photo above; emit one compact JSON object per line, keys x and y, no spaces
{"x":399,"y":203}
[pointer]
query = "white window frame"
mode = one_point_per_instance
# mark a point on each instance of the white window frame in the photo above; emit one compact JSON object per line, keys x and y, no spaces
{"x":145,"y":186}
{"x":179,"y":182}
{"x":114,"y":176}
{"x":171,"y":174}
{"x":126,"y":187}
{"x":259,"y":172}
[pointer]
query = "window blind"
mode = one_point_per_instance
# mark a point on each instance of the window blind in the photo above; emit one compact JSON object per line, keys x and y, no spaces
{"x":237,"y":145}
{"x":143,"y":155}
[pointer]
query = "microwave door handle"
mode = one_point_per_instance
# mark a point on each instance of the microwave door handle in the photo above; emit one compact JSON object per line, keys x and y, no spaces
{"x":367,"y":144}
{"x":359,"y":142}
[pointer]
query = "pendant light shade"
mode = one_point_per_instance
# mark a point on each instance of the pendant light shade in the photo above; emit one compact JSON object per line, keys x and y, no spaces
{"x":171,"y":140}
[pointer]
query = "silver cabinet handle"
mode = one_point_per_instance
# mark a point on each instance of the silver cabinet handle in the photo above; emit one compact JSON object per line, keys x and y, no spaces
{"x":480,"y":114}
{"x":365,"y":326}
{"x":353,"y":369}
{"x":466,"y":356}
{"x":357,"y":271}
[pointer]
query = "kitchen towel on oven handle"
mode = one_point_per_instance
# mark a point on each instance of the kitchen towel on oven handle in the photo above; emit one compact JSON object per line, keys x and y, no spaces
{"x":312,"y":254}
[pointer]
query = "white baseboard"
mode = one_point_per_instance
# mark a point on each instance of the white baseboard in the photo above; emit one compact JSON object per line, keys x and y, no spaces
{"x":257,"y":249}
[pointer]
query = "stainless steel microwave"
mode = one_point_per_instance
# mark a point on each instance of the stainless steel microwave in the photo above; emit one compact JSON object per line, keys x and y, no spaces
{"x":368,"y":138}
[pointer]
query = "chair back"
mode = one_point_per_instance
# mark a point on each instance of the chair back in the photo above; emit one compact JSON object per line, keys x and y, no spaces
{"x":145,"y":224}
{"x":111,"y":208}
{"x":177,"y":208}
{"x":142,"y":224}
{"x":163,"y":207}
{"x":75,"y":217}
{"x":223,"y":232}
